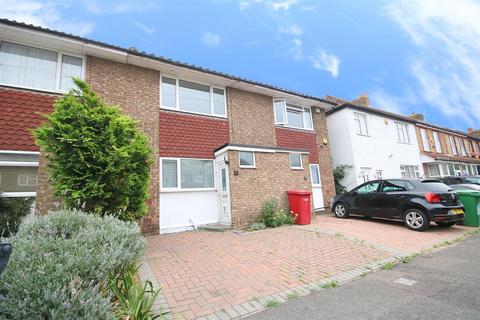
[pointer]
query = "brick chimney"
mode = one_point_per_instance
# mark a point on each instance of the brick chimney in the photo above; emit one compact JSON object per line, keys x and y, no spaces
{"x":417,"y":116}
{"x":474,"y":133}
{"x":362,"y":100}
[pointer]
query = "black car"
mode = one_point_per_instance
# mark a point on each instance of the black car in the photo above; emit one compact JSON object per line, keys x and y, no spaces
{"x":461,"y":180}
{"x":416,"y":202}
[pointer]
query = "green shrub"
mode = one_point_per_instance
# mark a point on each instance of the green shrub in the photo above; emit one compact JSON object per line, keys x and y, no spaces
{"x":12,"y":211}
{"x":99,"y":160}
{"x":257,"y":226}
{"x":132,"y":300}
{"x":61,"y":261}
{"x":272,"y":216}
{"x":339,"y":173}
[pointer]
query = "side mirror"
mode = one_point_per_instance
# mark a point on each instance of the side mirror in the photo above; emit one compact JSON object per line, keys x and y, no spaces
{"x":5,"y":251}
{"x":353,"y":192}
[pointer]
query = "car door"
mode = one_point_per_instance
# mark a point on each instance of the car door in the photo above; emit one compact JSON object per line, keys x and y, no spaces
{"x":391,"y":198}
{"x":363,"y":198}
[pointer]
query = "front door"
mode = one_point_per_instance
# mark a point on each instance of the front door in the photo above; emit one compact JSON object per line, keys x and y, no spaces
{"x":317,"y":190}
{"x":224,"y":194}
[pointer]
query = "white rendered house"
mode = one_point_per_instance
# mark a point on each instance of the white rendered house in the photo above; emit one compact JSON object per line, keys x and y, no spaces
{"x":375,"y":144}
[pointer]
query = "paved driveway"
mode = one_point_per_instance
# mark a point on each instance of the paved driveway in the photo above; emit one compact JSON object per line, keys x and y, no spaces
{"x":227,"y":275}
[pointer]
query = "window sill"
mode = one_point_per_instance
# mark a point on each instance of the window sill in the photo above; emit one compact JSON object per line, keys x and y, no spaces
{"x":408,"y":143}
{"x":187,"y":190}
{"x":247,"y":167}
{"x":294,"y":128}
{"x":195,"y":113}
{"x":296,"y":168}
{"x":57,"y":92}
{"x":363,"y":135}
{"x":18,"y":194}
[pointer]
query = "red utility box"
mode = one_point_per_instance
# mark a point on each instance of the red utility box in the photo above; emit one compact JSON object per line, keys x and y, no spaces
{"x":299,"y":202}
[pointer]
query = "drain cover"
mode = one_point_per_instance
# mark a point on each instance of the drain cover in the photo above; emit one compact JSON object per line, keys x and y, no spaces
{"x":405,"y":281}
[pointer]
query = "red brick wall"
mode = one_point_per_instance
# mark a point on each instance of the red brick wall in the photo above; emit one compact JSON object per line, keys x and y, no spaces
{"x":296,"y":139}
{"x":191,"y":136}
{"x":19,"y":113}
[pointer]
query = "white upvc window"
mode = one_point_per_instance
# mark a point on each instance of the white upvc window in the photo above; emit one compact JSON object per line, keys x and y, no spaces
{"x":27,"y":180}
{"x":453,"y":145}
{"x":402,"y":133}
{"x":360,"y":123}
{"x":462,"y":147}
{"x":292,"y":116}
{"x":187,"y":174}
{"x":192,"y":97}
{"x":409,"y":172}
{"x":40,"y":69}
{"x":295,"y":161}
{"x":425,"y":143}
{"x":246,"y":159}
{"x":315,"y":174}
{"x":434,"y":170}
{"x":436,"y":139}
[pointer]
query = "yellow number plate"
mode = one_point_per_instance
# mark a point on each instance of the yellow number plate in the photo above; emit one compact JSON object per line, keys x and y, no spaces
{"x":457,"y":211}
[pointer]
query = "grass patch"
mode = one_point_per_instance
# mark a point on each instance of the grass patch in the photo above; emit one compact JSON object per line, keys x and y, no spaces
{"x":272,"y":303}
{"x":328,"y":285}
{"x":388,"y":266}
{"x":338,"y":234}
{"x":408,"y":259}
{"x":292,"y":296}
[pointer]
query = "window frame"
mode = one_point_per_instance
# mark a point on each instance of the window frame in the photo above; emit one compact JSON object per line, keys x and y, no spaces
{"x":453,"y":145}
{"x":425,"y":141}
{"x":254,"y":166}
{"x":405,"y":172}
{"x":290,"y":160}
{"x":405,"y":130}
{"x":463,"y":148}
{"x":179,"y":188}
{"x":27,"y":177}
{"x":358,"y":116}
{"x":58,"y":71}
{"x":293,"y":106}
{"x":177,"y":97}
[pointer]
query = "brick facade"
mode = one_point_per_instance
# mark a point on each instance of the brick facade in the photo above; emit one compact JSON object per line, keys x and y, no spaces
{"x":136,"y":91}
{"x":324,"y":156}
{"x":191,"y":136}
{"x":272,"y":177}
{"x":251,"y":118}
{"x":298,"y":139}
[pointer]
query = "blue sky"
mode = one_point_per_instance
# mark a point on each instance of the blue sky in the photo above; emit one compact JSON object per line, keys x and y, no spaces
{"x":409,"y":56}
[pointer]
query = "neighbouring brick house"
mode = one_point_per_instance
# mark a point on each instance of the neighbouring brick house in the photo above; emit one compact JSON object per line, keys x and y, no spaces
{"x":222,"y":144}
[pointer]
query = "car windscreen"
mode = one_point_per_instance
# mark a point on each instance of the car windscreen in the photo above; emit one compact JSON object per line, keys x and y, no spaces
{"x":473,"y":180}
{"x":435,"y":186}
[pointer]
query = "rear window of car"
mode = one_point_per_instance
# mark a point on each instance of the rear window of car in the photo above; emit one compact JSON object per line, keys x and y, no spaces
{"x":473,"y":180}
{"x":435,"y":186}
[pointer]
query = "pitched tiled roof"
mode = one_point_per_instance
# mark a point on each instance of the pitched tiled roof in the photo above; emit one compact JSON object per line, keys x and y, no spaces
{"x":156,"y":57}
{"x":19,"y":113}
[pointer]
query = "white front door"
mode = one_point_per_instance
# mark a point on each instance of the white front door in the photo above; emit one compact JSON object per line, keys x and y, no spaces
{"x":317,"y":189}
{"x":223,"y":193}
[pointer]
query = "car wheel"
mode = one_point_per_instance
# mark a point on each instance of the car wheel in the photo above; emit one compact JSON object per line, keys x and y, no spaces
{"x":416,"y":220}
{"x":340,"y":211}
{"x":445,"y":224}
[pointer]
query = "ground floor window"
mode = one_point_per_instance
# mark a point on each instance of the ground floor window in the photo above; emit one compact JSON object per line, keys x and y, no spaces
{"x":409,"y":172}
{"x":18,"y":174}
{"x":434,"y":170}
{"x":445,"y":169}
{"x":188,"y":174}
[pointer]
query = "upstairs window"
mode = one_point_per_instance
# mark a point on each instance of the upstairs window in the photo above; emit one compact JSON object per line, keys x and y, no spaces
{"x":292,"y":116}
{"x":436,"y":139}
{"x":35,"y":68}
{"x":360,"y":123}
{"x":425,"y":143}
{"x":402,"y":133}
{"x":462,"y":147}
{"x":453,"y":145}
{"x":192,"y":97}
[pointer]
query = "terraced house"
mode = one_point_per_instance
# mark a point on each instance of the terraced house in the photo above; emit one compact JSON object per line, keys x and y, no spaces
{"x":447,"y":152}
{"x":222,"y":144}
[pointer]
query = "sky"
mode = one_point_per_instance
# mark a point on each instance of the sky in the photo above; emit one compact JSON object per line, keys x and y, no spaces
{"x":408,"y":56}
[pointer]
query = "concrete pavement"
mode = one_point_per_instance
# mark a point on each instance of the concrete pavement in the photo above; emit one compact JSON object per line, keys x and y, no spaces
{"x":447,"y":287}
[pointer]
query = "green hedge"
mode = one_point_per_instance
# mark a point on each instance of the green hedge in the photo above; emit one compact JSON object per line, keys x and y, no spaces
{"x":59,"y":265}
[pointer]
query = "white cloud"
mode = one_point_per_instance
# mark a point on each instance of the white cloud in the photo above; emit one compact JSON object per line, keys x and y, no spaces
{"x":101,"y":8}
{"x":294,"y":30}
{"x":445,"y":63}
{"x":284,"y":5}
{"x":383,"y":100}
{"x":321,"y":60}
{"x":148,"y":30}
{"x":44,"y":14}
{"x":211,"y":39}
{"x":296,"y":51}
